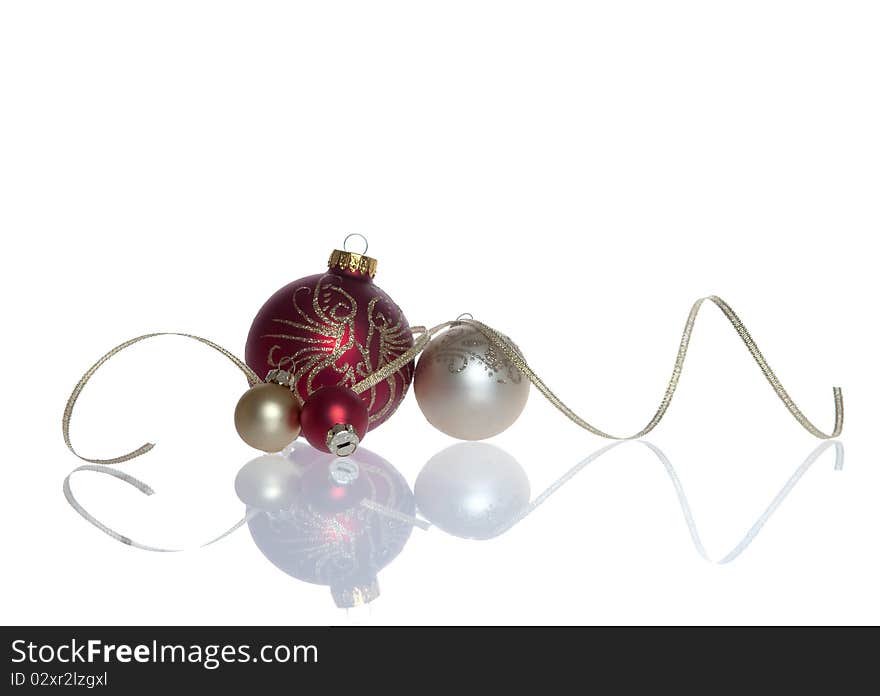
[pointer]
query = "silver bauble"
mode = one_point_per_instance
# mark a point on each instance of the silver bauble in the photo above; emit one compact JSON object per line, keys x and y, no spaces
{"x":466,"y":387}
{"x":472,"y":490}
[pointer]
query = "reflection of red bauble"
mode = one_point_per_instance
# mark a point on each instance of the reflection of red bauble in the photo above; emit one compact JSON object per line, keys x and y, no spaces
{"x":323,"y":495}
{"x":327,"y":536}
{"x":331,"y":329}
{"x":330,"y":406}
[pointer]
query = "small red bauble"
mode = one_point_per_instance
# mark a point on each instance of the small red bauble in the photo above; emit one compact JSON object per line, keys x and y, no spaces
{"x":328,"y":408}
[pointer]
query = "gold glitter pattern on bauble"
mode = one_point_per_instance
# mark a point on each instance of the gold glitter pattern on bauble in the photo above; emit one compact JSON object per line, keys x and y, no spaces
{"x":331,"y":315}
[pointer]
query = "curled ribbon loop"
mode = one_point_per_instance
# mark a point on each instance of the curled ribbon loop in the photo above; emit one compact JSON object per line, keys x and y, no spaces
{"x":143,"y":449}
{"x":513,"y":355}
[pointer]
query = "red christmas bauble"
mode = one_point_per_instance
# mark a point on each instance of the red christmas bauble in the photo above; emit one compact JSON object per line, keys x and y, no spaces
{"x":332,"y":329}
{"x":331,"y":406}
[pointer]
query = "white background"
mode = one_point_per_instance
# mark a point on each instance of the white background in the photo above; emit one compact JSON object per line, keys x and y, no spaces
{"x":575,"y":174}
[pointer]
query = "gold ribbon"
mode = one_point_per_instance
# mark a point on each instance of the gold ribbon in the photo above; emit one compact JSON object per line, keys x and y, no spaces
{"x":143,"y":449}
{"x":513,"y":355}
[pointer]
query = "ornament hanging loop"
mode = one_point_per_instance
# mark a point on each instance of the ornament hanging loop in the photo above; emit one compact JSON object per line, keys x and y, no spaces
{"x":358,"y":235}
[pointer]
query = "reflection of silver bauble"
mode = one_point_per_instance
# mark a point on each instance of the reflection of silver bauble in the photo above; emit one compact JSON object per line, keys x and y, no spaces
{"x":269,"y":482}
{"x":466,"y":387}
{"x":338,"y":535}
{"x":472,"y":490}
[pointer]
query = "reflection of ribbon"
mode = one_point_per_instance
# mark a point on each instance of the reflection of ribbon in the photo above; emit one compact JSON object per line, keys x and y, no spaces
{"x":393,"y":514}
{"x":143,"y":488}
{"x":104,"y":467}
{"x":533,"y":505}
{"x":682,"y":498}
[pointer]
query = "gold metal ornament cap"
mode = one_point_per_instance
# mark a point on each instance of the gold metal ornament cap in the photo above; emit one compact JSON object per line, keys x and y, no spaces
{"x":351,"y":262}
{"x":355,"y":263}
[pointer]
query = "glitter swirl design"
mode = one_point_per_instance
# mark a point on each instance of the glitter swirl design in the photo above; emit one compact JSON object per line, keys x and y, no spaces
{"x":460,"y":348}
{"x":331,"y":329}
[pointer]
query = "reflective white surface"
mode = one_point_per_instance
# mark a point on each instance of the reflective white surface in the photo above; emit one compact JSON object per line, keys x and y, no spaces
{"x":329,"y":534}
{"x":574,"y":544}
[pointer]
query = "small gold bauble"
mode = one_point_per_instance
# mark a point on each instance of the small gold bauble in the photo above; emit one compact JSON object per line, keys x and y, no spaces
{"x":267,"y":417}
